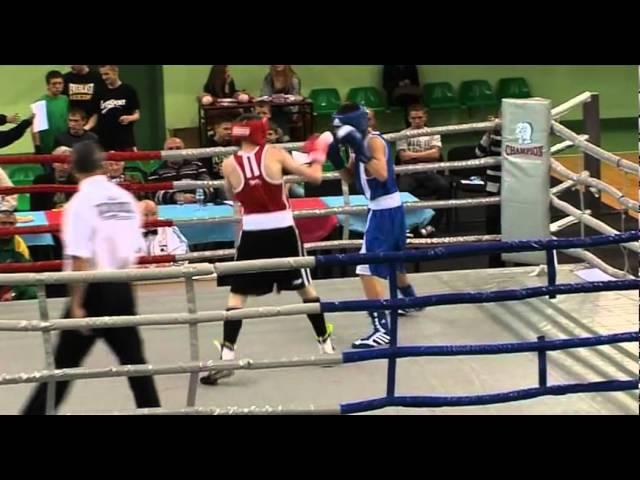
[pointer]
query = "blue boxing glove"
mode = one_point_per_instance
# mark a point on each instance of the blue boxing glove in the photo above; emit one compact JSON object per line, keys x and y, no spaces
{"x":349,"y":136}
{"x":334,"y":156}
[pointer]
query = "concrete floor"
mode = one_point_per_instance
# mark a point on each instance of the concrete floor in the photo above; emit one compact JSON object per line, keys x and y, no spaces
{"x":276,"y":338}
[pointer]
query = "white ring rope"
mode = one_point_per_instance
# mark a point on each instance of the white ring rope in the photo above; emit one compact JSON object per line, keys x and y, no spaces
{"x":217,"y":411}
{"x":565,"y":107}
{"x":174,"y":369}
{"x":401,"y":170}
{"x":585,"y":179}
{"x":164,"y":319}
{"x":196,"y":153}
{"x":129,"y":275}
{"x":591,"y":222}
{"x":599,"y":153}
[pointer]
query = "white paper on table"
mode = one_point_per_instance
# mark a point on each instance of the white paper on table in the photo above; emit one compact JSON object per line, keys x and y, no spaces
{"x":40,"y":121}
{"x":594,"y":275}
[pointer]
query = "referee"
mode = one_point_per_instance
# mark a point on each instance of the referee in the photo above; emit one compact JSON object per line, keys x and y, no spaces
{"x":101,"y":231}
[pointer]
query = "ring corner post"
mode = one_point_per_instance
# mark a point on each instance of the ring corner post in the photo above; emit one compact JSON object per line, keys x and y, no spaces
{"x":526,"y":172}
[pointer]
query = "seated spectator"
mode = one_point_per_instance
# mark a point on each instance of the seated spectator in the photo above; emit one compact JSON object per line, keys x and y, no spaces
{"x":9,"y":137}
{"x":274,"y":134}
{"x":221,"y":138}
{"x":13,"y":250}
{"x":115,"y":172}
{"x":7,"y":202}
{"x":263,"y":108}
{"x":77,"y":132}
{"x":61,"y":175}
{"x":178,"y":169}
{"x":422,"y":150}
{"x":221,"y":85}
{"x":281,"y":80}
{"x":162,"y":240}
{"x":491,"y":146}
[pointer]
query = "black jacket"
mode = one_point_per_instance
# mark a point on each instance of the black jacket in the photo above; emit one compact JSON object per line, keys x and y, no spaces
{"x":8,"y":137}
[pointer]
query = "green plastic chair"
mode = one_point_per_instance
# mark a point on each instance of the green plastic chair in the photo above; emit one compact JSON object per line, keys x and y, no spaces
{"x":325,"y":100}
{"x":24,"y":202}
{"x":477,"y":94}
{"x":516,"y":87}
{"x":25,"y":173}
{"x":369,"y":97}
{"x":440,"y":96}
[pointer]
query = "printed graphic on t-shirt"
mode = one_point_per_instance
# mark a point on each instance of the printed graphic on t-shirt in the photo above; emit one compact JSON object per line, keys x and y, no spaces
{"x":79,"y":92}
{"x":107,"y":105}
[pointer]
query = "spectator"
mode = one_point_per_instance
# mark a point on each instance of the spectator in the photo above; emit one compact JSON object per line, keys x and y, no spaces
{"x":82,"y":85}
{"x":491,"y":146}
{"x":423,"y":150}
{"x":77,"y":131}
{"x":57,"y":112}
{"x":274,"y":134}
{"x":8,"y":137}
{"x":13,"y":250}
{"x":118,"y":110}
{"x":7,"y":202}
{"x":402,"y":84}
{"x":263,"y":108}
{"x":117,"y":172}
{"x":220,"y":85}
{"x":178,"y":169}
{"x":281,"y":80}
{"x":61,"y":175}
{"x":162,"y":240}
{"x":221,"y":138}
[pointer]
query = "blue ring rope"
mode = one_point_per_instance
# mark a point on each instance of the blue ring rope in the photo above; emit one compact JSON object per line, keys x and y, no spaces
{"x":476,"y":249}
{"x":487,"y":399}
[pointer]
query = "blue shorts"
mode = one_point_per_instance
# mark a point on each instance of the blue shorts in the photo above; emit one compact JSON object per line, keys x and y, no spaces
{"x":386,"y":232}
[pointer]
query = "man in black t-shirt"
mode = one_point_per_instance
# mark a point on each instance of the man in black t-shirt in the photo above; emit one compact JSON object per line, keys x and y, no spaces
{"x":82,"y":86}
{"x":77,"y":131}
{"x":118,"y":110}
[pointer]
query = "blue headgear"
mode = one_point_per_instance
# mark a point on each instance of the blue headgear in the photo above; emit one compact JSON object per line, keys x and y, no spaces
{"x":358,"y":120}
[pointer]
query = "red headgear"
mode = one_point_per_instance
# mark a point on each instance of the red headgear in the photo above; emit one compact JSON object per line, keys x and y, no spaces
{"x":252,"y":131}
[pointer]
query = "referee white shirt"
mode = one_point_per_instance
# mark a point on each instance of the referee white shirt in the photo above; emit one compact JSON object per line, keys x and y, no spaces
{"x":101,"y":223}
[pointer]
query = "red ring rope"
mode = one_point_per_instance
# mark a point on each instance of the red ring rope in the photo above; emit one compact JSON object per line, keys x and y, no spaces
{"x":52,"y":188}
{"x":50,"y":158}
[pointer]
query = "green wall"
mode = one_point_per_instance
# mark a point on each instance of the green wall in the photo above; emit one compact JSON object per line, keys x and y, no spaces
{"x":617,"y":84}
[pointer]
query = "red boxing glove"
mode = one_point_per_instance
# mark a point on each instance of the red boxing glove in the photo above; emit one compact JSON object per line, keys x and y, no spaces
{"x":317,"y":147}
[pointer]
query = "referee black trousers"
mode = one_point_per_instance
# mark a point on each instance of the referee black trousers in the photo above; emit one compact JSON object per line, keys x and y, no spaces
{"x":101,"y":300}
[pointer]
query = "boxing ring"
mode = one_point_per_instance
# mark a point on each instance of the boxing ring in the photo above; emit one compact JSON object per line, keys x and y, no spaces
{"x":489,"y":341}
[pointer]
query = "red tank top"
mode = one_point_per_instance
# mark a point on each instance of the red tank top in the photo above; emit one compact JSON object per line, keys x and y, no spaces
{"x":258,"y":194}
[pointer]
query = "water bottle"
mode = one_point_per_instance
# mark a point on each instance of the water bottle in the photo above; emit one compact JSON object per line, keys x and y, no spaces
{"x":200,"y":197}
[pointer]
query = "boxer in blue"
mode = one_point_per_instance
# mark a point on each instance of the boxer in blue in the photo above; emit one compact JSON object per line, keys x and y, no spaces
{"x":372,"y":168}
